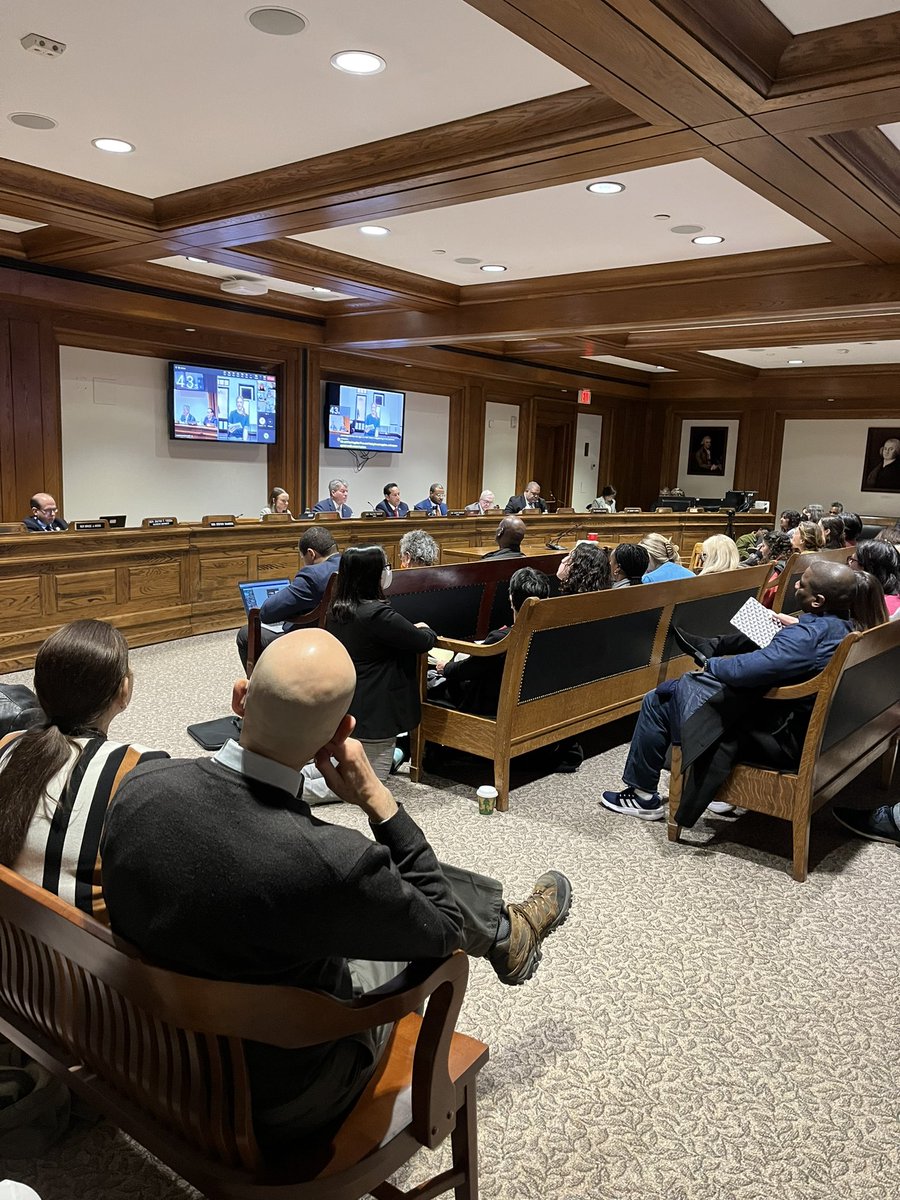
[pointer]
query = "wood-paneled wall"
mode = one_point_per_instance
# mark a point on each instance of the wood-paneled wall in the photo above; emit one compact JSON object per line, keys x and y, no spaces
{"x":30,"y":441}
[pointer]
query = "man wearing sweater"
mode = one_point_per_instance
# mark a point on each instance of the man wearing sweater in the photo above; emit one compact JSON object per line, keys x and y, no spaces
{"x":217,"y":867}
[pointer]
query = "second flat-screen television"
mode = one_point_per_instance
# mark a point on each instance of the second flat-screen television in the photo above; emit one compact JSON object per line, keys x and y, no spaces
{"x":362,"y":418}
{"x":217,"y":404}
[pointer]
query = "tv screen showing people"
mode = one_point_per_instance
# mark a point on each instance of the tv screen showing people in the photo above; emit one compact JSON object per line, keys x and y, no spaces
{"x":215,"y":404}
{"x":360,"y":418}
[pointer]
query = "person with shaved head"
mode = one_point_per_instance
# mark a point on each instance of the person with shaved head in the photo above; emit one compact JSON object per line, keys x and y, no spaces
{"x":510,"y":534}
{"x":217,"y":867}
{"x":722,"y":708}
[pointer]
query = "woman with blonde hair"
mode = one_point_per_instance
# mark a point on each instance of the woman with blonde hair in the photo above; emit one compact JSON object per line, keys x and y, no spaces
{"x":808,"y":537}
{"x":664,"y":561}
{"x":718,"y":553}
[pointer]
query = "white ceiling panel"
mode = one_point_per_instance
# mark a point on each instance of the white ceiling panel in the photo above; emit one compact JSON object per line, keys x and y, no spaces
{"x":892,"y":132}
{"x":178,"y":263}
{"x":802,"y":16}
{"x":840,"y":354}
{"x":204,"y":96}
{"x":627,"y":362}
{"x":17,"y":225}
{"x":566,"y":229}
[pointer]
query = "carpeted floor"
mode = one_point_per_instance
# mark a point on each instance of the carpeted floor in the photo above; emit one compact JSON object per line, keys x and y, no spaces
{"x":703,"y":1028}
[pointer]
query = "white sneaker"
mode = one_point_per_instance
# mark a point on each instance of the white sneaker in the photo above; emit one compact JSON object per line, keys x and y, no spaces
{"x":721,"y":808}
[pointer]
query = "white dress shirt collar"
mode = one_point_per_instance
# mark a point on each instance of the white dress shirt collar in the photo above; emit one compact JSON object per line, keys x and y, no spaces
{"x":257,"y":766}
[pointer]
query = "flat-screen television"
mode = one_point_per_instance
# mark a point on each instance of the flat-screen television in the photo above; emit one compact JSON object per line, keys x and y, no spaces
{"x":362,"y":418}
{"x":219,"y":404}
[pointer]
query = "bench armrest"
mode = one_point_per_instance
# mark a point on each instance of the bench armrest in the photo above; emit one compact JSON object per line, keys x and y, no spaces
{"x":472,"y":648}
{"x":795,"y":691}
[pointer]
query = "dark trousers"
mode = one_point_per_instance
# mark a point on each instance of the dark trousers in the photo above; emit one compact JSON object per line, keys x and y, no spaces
{"x":649,"y":743}
{"x":266,"y":636}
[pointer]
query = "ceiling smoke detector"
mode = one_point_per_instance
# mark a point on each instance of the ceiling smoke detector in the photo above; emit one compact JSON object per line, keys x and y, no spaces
{"x":38,"y":44}
{"x":240,"y":286}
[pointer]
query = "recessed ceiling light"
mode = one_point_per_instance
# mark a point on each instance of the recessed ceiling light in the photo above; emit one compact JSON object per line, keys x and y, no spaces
{"x":830,"y":400}
{"x":492,"y":268}
{"x":795,"y":362}
{"x":374,"y":230}
{"x":662,"y":216}
{"x":439,"y":252}
{"x":659,"y":368}
{"x":321,"y":289}
{"x":191,"y":258}
{"x":280,"y":22}
{"x":112,"y":145}
{"x":606,"y":187}
{"x":189,"y":329}
{"x":358,"y":62}
{"x":708,"y":239}
{"x":32,"y":121}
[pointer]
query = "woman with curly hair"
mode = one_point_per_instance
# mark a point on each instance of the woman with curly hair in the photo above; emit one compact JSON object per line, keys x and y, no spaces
{"x":584,"y":569}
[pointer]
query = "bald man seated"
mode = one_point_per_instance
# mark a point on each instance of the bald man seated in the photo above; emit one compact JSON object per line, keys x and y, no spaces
{"x":45,"y":516}
{"x":216,"y":867}
{"x":510,"y":534}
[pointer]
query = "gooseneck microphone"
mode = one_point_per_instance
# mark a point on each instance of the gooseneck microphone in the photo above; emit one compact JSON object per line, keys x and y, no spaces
{"x":554,"y":545}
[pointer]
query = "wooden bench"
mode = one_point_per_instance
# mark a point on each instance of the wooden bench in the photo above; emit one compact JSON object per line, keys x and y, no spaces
{"x":162,"y":1056}
{"x":576,"y":662}
{"x":855,"y":720}
{"x":785,"y":594}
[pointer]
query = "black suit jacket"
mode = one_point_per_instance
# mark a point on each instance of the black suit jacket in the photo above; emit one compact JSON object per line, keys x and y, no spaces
{"x":509,"y":552}
{"x":386,"y":511}
{"x":516,"y":504}
{"x":385,"y":648}
{"x":473,"y":684}
{"x":35,"y":525}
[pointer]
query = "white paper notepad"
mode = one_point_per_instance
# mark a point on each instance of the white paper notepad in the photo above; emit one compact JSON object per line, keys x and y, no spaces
{"x":756,"y":622}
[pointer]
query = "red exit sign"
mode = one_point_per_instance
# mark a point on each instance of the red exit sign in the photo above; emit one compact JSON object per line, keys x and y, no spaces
{"x":584,"y":396}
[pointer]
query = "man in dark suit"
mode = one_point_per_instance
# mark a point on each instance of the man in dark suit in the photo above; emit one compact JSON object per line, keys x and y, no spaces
{"x":336,"y":500}
{"x":392,"y":505}
{"x":530,"y":499}
{"x":434,"y":501}
{"x":43,"y":517}
{"x":473,"y":683}
{"x":321,"y":558}
{"x":510,"y":533}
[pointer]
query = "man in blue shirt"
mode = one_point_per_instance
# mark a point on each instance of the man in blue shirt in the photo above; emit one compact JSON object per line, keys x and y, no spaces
{"x":434,"y":501}
{"x":803,"y":648}
{"x":321,"y":558}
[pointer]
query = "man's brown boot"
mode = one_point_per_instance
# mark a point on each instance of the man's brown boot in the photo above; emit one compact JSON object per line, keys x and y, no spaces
{"x":516,"y":958}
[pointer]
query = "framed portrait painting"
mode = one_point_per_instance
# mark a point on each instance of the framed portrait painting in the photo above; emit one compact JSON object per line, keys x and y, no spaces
{"x":881,"y":466}
{"x":707,"y":450}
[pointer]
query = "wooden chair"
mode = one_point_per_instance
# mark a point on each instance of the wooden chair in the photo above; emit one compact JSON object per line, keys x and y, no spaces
{"x":162,"y":1055}
{"x":695,"y":562}
{"x":855,"y":720}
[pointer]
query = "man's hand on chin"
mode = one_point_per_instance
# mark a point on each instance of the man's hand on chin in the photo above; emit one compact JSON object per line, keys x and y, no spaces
{"x":350,"y":776}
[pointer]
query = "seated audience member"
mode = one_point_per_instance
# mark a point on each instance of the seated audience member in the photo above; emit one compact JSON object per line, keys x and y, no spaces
{"x":44,"y":517}
{"x":891,"y":535}
{"x":605,"y":502}
{"x":217,"y":867}
{"x":628,"y":563}
{"x":833,"y":532}
{"x":279,"y":502}
{"x":835,"y":509}
{"x":808,"y":537}
{"x":473,"y":684}
{"x":870,"y":608}
{"x":484,"y":504}
{"x":723,"y":702}
{"x":385,"y":650}
{"x":584,"y":569}
{"x":776,"y":549}
{"x":789,"y":520}
{"x":392,"y":505}
{"x":881,"y":560}
{"x":418,"y":549}
{"x":58,"y":778}
{"x":434,"y":501}
{"x":336,"y":500}
{"x":748,"y":544}
{"x":664,"y":561}
{"x":813,"y":512}
{"x":510,"y":534}
{"x":852,"y":528}
{"x":718,"y":553}
{"x":320,"y":558}
{"x":527,"y":502}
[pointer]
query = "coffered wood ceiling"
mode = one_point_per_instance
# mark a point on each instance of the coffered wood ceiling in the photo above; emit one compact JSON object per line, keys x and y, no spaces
{"x":776,"y":123}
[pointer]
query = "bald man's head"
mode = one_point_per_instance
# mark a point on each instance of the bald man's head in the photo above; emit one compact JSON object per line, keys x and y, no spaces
{"x":299,"y":693}
{"x":510,"y":533}
{"x":826,"y":587}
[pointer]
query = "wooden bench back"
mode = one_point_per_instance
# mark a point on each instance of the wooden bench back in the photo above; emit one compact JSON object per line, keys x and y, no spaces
{"x":785,"y":595}
{"x":168,"y":1048}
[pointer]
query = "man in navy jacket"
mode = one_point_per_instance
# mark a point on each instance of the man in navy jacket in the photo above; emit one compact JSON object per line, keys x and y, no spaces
{"x":44,"y":515}
{"x":730,"y":692}
{"x":321,"y":558}
{"x":392,"y":505}
{"x":336,"y":500}
{"x":434,"y":501}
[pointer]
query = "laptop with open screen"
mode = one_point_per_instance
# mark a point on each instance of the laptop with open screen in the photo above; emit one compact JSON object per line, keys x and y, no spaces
{"x":117,"y":522}
{"x":257,"y":591}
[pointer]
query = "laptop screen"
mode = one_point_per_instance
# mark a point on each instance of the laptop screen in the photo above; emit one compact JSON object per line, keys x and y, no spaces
{"x":255,"y":593}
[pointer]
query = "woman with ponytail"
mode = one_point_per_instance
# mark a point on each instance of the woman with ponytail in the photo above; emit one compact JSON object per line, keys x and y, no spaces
{"x":664,"y":561}
{"x":57,"y":779}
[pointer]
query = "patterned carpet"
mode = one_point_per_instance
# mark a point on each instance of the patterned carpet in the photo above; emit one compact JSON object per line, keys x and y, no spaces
{"x":703,"y":1028}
